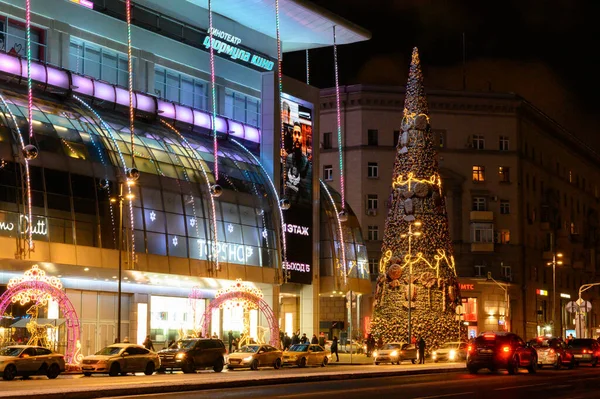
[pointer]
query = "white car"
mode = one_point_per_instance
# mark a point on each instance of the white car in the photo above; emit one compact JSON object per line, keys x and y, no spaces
{"x":121,"y":359}
{"x":450,"y":351}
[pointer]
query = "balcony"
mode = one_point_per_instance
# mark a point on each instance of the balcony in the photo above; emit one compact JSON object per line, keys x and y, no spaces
{"x":482,"y":246}
{"x":482,"y":216}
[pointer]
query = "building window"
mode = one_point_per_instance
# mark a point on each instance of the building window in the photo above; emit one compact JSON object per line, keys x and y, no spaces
{"x":482,"y":232}
{"x":180,"y":88}
{"x":373,"y":233}
{"x":504,"y":207}
{"x":503,"y":237}
{"x":241,"y":107}
{"x":98,"y":62}
{"x":372,"y":137}
{"x":372,"y":170}
{"x":504,"y":174}
{"x":328,"y":173}
{"x":478,"y":142}
{"x":479,"y":270}
{"x":439,"y":137}
{"x":478,"y":173}
{"x":506,"y":272}
{"x":374,"y":266}
{"x":372,"y":201}
{"x":396,"y":137}
{"x":504,"y":143}
{"x":13,"y":39}
{"x":479,"y":204}
{"x":570,"y":176}
{"x":327,"y":141}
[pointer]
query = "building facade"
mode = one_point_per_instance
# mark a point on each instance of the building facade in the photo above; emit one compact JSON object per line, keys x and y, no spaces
{"x":521,"y":192}
{"x":186,"y":243}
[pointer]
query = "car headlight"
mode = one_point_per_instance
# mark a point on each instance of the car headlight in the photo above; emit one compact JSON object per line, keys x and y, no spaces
{"x":375,"y":354}
{"x":394,"y":354}
{"x":180,"y":356}
{"x":452,"y":354}
{"x":434,"y":353}
{"x":247,"y":359}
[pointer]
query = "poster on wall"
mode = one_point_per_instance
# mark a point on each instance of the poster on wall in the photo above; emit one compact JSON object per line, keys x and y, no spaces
{"x":297,"y":155}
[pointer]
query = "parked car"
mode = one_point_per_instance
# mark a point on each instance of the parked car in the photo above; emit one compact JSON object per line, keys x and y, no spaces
{"x":352,"y":346}
{"x":303,"y":355}
{"x":585,"y":350}
{"x":27,"y":360}
{"x":121,"y":359}
{"x":395,"y":352}
{"x":255,"y":356}
{"x":553,"y":352}
{"x":191,"y":354}
{"x":500,"y":350}
{"x":450,"y":351}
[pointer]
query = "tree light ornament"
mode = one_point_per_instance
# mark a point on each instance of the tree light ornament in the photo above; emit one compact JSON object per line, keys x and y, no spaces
{"x":216,"y":190}
{"x":284,"y":204}
{"x":30,"y":152}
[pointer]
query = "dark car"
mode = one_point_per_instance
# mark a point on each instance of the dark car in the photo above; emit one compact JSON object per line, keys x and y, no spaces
{"x":193,"y":353}
{"x":585,"y":350}
{"x":553,"y":352}
{"x":500,"y":350}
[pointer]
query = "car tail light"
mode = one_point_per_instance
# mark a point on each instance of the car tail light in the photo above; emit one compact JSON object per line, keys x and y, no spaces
{"x":585,"y":351}
{"x":469,"y":348}
{"x":506,"y":349}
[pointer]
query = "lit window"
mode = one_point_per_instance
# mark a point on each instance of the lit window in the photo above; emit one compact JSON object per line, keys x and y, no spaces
{"x":241,"y":107}
{"x":504,"y":174}
{"x":503,"y":237}
{"x":504,"y":207}
{"x":328,"y":173}
{"x":478,"y":173}
{"x":478,"y":142}
{"x":184,"y":89}
{"x":504,"y":143}
{"x":482,"y":232}
{"x":372,"y":170}
{"x":479,"y":204}
{"x":570,"y":177}
{"x":13,"y":39}
{"x":479,"y":270}
{"x":373,"y":233}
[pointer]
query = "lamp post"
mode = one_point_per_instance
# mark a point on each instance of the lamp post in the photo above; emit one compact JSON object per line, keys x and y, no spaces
{"x":410,"y":235}
{"x":120,"y":199}
{"x":505,"y":287}
{"x":580,"y":303}
{"x":553,"y":264}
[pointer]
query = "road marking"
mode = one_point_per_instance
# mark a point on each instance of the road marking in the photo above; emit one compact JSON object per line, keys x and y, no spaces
{"x":444,"y":396}
{"x":519,"y":387}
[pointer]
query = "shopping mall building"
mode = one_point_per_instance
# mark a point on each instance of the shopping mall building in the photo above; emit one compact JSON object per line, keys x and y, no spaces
{"x":187,"y":242}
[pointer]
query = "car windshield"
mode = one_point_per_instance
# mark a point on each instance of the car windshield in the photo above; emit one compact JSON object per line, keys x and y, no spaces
{"x":10,"y":351}
{"x":299,"y":348}
{"x":579,"y":343}
{"x":392,"y":346}
{"x":109,"y":351}
{"x":184,"y":344}
{"x":450,"y":345}
{"x":248,"y":349}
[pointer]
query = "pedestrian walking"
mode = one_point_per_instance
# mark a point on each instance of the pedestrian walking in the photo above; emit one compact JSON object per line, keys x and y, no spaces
{"x":421,"y":351}
{"x":148,"y":343}
{"x":334,"y":349}
{"x":314,"y":340}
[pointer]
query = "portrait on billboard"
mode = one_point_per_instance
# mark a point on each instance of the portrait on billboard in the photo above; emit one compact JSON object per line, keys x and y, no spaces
{"x":297,"y":152}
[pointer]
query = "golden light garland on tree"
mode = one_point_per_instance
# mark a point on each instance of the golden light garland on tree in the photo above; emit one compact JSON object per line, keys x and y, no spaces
{"x":33,"y":294}
{"x":245,"y":301}
{"x":417,"y":267}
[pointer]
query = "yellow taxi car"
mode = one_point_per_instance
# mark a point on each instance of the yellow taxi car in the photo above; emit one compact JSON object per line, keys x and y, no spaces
{"x":121,"y":359}
{"x":255,"y":356}
{"x":27,"y":360}
{"x":303,"y":355}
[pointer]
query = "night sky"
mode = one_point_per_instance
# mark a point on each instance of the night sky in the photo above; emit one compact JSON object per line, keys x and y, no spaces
{"x":543,"y":50}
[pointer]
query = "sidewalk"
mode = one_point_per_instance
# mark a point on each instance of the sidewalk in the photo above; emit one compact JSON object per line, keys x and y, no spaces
{"x":362,"y":359}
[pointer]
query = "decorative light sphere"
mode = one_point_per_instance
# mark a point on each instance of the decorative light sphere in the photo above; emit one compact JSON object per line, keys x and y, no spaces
{"x":30,"y":152}
{"x":259,"y":211}
{"x":104,"y":184}
{"x":132,"y":174}
{"x":216,"y":190}
{"x":284,"y":204}
{"x":343,"y":215}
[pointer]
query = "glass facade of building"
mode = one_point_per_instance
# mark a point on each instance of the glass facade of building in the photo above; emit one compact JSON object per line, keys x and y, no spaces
{"x":171,"y":209}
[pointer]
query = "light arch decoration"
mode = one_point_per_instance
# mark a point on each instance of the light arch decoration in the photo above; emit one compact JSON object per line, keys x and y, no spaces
{"x":244,"y":296}
{"x":35,"y":286}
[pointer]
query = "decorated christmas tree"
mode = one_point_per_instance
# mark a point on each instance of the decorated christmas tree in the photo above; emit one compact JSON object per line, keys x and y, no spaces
{"x":416,"y":250}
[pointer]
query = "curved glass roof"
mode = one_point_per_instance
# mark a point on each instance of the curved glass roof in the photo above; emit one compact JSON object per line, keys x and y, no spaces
{"x":171,"y":209}
{"x":357,"y":263}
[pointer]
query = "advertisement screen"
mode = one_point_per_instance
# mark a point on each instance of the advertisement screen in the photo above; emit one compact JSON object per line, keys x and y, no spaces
{"x":297,"y":181}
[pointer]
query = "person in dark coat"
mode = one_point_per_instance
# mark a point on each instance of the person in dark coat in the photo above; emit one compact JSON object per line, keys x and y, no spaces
{"x":314,"y":340}
{"x":148,"y":343}
{"x":295,"y":339}
{"x":287,"y":342}
{"x":230,"y":336}
{"x":304,"y":339}
{"x":334,"y":349}
{"x":421,"y":351}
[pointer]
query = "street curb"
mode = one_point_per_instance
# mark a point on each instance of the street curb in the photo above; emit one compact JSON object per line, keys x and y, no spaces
{"x":160,"y":389}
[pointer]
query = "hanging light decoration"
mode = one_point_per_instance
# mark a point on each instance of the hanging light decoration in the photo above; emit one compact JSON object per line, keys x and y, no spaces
{"x":307,"y":68}
{"x":30,"y":152}
{"x":38,"y":295}
{"x":339,"y":120}
{"x":343,"y":265}
{"x":213,"y":90}
{"x":130,"y":82}
{"x":343,"y":216}
{"x":284,"y":203}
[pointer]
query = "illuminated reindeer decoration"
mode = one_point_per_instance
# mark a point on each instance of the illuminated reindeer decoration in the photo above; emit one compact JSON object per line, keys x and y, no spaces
{"x":39,"y":332}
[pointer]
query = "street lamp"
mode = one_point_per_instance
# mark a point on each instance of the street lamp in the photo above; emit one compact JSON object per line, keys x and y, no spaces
{"x":580,"y":302}
{"x":505,"y":287}
{"x":553,"y":264}
{"x":119,"y":199}
{"x":410,"y":235}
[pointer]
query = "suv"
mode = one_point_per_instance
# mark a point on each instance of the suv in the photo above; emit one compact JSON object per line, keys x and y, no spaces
{"x":500,"y":350}
{"x":585,"y":350}
{"x":193,"y":353}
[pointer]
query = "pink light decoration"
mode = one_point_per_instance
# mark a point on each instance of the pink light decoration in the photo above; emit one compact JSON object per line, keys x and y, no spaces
{"x":166,"y":109}
{"x":146,"y":103}
{"x":10,"y":64}
{"x":236,"y":129}
{"x":38,"y":287}
{"x":122,"y":96}
{"x":57,"y":77}
{"x":221,"y":124}
{"x":202,"y":119}
{"x":83,"y":85}
{"x":37,"y":71}
{"x":104,"y":91}
{"x":251,"y":134}
{"x":184,"y":114}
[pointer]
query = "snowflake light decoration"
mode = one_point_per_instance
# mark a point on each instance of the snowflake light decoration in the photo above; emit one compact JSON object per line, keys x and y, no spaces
{"x":230,"y":228}
{"x":34,"y":294}
{"x":246,"y":298}
{"x":152,"y":216}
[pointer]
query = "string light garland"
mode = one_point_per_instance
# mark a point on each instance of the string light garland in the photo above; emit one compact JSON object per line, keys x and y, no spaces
{"x":27,"y":176}
{"x":339,"y":120}
{"x":248,"y":298}
{"x":130,"y":80}
{"x":340,"y":232}
{"x":29,"y":81}
{"x":37,"y":295}
{"x":307,"y":68}
{"x":213,"y":90}
{"x":280,"y":87}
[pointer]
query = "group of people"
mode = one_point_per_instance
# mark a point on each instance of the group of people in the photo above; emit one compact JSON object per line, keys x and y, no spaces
{"x":287,"y":341}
